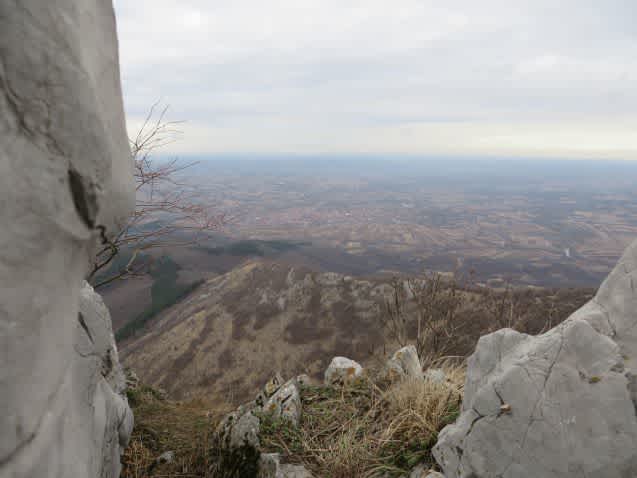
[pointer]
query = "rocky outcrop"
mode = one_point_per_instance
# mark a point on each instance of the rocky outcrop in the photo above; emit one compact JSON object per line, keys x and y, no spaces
{"x":237,"y":441}
{"x":562,"y":404}
{"x":66,"y":182}
{"x":342,"y":370}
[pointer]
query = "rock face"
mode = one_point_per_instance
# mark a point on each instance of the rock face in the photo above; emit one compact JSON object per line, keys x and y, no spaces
{"x":562,"y":404}
{"x":404,"y":364}
{"x":66,"y":182}
{"x":341,"y":370}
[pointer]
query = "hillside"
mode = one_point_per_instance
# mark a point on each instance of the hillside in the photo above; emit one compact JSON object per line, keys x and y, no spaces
{"x":234,"y":330}
{"x":226,"y":338}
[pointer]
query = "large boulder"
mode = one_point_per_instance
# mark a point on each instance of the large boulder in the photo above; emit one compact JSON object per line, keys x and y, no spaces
{"x":67,"y":184}
{"x":562,"y":404}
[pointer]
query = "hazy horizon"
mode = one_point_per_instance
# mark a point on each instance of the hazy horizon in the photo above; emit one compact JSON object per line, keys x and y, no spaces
{"x":494,"y":78}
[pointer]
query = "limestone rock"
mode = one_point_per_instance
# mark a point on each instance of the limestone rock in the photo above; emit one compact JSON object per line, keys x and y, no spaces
{"x":273,"y":385}
{"x":166,"y":458}
{"x":285,"y":403}
{"x":341,"y":370}
{"x":270,"y":467}
{"x":404,"y":364}
{"x":436,"y":375}
{"x":561,"y":404}
{"x":66,"y":182}
{"x":303,"y":380}
{"x":237,"y":443}
{"x":132,"y":380}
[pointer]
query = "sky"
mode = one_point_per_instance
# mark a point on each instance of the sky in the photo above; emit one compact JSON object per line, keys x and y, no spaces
{"x":509,"y":78}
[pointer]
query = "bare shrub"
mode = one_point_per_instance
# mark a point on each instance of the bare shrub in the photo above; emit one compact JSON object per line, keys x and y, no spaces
{"x":445,"y":316}
{"x":431,"y":310}
{"x":165,"y":208}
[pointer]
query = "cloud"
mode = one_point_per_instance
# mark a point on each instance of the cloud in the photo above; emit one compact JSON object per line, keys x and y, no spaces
{"x":533,"y":77}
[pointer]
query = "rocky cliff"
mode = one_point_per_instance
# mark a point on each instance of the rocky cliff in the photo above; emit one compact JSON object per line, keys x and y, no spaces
{"x":561,"y":404}
{"x":66,"y":182}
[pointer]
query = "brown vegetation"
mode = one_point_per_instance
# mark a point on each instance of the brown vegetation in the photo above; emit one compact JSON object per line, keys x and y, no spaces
{"x":446,"y":316}
{"x":161,"y":425}
{"x":369,"y":427}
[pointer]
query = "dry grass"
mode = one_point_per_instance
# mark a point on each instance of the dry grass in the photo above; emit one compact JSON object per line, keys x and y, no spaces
{"x":367,"y":428}
{"x":160,"y":425}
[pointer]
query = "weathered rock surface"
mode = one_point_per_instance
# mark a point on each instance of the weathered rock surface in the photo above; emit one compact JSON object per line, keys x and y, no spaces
{"x":270,"y":467}
{"x":66,"y":182}
{"x":404,"y":364}
{"x":341,"y":370}
{"x":237,"y":443}
{"x":237,"y":436}
{"x":561,"y":404}
{"x":285,"y":402}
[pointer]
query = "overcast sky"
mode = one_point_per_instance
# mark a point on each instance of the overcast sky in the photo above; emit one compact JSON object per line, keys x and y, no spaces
{"x":467,"y":77}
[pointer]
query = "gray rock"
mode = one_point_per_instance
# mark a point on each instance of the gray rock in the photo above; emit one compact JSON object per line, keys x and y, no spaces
{"x":436,"y":375}
{"x":65,"y":180}
{"x":270,"y":467}
{"x":237,"y":442}
{"x":341,"y":370}
{"x":285,"y":403}
{"x":242,"y":430}
{"x":404,"y":364}
{"x":273,"y":385}
{"x":166,"y":458}
{"x":132,"y":380}
{"x":303,"y":380}
{"x":561,"y":404}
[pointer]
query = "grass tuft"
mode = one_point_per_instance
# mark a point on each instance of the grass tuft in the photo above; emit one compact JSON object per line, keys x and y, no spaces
{"x":367,"y":428}
{"x":161,"y":425}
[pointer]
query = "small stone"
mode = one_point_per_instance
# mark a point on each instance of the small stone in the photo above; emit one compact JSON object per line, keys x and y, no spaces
{"x":270,"y":467}
{"x":166,"y":458}
{"x":303,"y":380}
{"x":342,"y":370}
{"x":404,"y":364}
{"x":132,"y":380}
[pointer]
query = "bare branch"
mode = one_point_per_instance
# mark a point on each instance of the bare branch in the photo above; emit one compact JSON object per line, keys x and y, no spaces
{"x":165,"y":206}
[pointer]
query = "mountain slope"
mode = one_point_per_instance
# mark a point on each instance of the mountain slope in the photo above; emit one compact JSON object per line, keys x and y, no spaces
{"x":228,"y":336}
